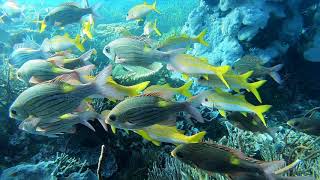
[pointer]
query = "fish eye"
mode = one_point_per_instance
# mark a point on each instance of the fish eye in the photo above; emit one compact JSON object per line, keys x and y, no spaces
{"x":107,"y":49}
{"x":297,"y":123}
{"x":179,"y":155}
{"x":202,"y":78}
{"x":206,"y":99}
{"x":14,"y":112}
{"x":112,"y":117}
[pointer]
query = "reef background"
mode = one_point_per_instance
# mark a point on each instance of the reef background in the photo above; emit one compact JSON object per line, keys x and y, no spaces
{"x":278,"y":31}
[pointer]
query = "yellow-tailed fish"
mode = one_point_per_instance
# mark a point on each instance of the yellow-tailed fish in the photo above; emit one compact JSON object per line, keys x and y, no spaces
{"x":309,"y":125}
{"x":61,"y":43}
{"x":168,"y":134}
{"x":140,"y":11}
{"x":86,"y":29}
{"x":190,"y":65}
{"x":236,"y":83}
{"x":182,"y":41}
{"x":224,"y":101}
{"x":169,"y":91}
{"x":151,"y":27}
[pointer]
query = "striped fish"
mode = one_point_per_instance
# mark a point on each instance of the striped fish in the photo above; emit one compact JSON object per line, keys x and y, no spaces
{"x":54,"y":99}
{"x":143,"y":111}
{"x":21,"y":55}
{"x":37,"y":71}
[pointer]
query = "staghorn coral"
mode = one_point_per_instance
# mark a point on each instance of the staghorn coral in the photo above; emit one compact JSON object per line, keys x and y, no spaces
{"x":65,"y":165}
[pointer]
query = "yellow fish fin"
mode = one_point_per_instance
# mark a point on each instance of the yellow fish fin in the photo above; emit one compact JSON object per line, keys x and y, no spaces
{"x":200,"y":38}
{"x":253,"y":88}
{"x":246,"y":75}
{"x":155,"y":28}
{"x":197,"y":137}
{"x":114,"y":129}
{"x":87,"y":30}
{"x":259,"y":110}
{"x":146,"y":136}
{"x":223,"y":113}
{"x":154,"y":7}
{"x":136,"y":89}
{"x":157,"y":143}
{"x":219,"y":71}
{"x":185,"y":77}
{"x":244,"y":113}
{"x":43,"y":26}
{"x":78,"y":44}
{"x":184,"y":90}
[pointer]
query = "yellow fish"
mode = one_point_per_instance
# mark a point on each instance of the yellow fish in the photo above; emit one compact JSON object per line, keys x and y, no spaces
{"x":224,"y":101}
{"x":169,"y":134}
{"x":190,"y":65}
{"x":236,"y":83}
{"x":61,"y":43}
{"x":168,"y":91}
{"x":139,"y":12}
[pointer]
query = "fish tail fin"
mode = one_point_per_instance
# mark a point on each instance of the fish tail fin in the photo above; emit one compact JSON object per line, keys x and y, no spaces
{"x":197,"y":137}
{"x":136,"y":89}
{"x":246,"y":75}
{"x":154,"y":7}
{"x":259,"y":110}
{"x":274,"y":73}
{"x":194,"y":112}
{"x":155,"y":28}
{"x":200,"y":38}
{"x":253,"y":88}
{"x":100,"y":82}
{"x":78,"y":44}
{"x":87,"y":55}
{"x":219,"y":71}
{"x":84,"y":72}
{"x":184,"y":90}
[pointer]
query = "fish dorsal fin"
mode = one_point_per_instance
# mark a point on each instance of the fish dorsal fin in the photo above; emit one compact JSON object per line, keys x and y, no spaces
{"x":167,"y":85}
{"x":228,"y":149}
{"x":70,"y":4}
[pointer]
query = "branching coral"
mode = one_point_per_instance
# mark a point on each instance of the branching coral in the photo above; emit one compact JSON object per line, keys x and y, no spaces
{"x":67,"y":165}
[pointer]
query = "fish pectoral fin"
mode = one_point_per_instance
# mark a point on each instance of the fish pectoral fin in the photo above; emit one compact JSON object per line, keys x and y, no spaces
{"x":223,"y":113}
{"x":245,"y":114}
{"x":114,"y":129}
{"x":34,"y":80}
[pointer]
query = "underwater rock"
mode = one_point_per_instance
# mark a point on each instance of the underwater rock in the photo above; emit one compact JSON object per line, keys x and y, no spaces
{"x":232,"y":25}
{"x":87,"y":175}
{"x":313,"y":53}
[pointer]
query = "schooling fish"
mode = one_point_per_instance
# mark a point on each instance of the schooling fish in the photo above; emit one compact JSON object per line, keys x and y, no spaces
{"x":216,"y":158}
{"x":309,"y":125}
{"x":168,"y":134}
{"x":151,"y":27}
{"x":224,"y":101}
{"x":169,"y":91}
{"x":190,"y":65}
{"x":236,"y":83}
{"x":65,"y":14}
{"x":136,"y":52}
{"x":54,"y":99}
{"x":139,"y":12}
{"x":184,"y":41}
{"x":252,"y":63}
{"x":146,"y":110}
{"x":60,"y":125}
{"x":37,"y":71}
{"x":71,"y":63}
{"x":61,"y":43}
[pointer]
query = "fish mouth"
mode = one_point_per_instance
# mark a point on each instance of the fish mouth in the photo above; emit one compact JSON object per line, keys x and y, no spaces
{"x":173,"y":153}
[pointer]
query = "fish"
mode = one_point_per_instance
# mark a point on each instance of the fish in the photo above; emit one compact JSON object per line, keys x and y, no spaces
{"x":191,"y":65}
{"x":252,"y":63}
{"x":250,"y":122}
{"x":151,"y":27}
{"x":136,"y":52}
{"x":38,"y":71}
{"x":61,"y":43}
{"x":216,"y":158}
{"x":146,"y":110}
{"x":168,"y":134}
{"x":21,"y":55}
{"x":225,"y":101}
{"x":182,"y":41}
{"x":64,"y":14}
{"x":309,"y":125}
{"x":139,"y":12}
{"x":72,"y":63}
{"x":87,"y":29}
{"x":168,"y":91}
{"x":12,"y":9}
{"x":56,"y":98}
{"x":63,"y":124}
{"x":236,"y":83}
